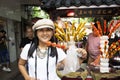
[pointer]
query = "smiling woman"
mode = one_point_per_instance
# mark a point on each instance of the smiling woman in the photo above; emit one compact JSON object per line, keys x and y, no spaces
{"x":42,"y":59}
{"x":44,"y":34}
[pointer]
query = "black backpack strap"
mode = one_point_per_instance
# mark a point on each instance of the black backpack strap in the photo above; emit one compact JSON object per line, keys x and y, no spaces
{"x":31,"y":50}
{"x":56,"y":56}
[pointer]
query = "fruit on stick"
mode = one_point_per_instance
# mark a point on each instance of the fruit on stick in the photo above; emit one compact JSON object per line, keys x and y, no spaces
{"x":53,"y":44}
{"x":59,"y":32}
{"x":49,"y":43}
{"x":60,"y":28}
{"x":95,"y":29}
{"x":58,"y":45}
{"x":68,"y":36}
{"x":118,"y":48}
{"x":70,"y":31}
{"x":105,"y":26}
{"x":73,"y":28}
{"x":113,"y":29}
{"x":105,"y":46}
{"x":80,"y":36}
{"x":107,"y":55}
{"x":78,"y":30}
{"x":63,"y":46}
{"x":67,"y":28}
{"x":107,"y":30}
{"x":80,"y":27}
{"x":75,"y":35}
{"x":58,"y":37}
{"x":99,"y":28}
{"x":110,"y":25}
{"x":113,"y":48}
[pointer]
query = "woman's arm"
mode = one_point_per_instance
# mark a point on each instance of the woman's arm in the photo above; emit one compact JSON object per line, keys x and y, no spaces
{"x":22,"y":68}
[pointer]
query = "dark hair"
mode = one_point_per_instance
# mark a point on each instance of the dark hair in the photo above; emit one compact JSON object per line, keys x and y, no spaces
{"x":35,"y":43}
{"x":3,"y":31}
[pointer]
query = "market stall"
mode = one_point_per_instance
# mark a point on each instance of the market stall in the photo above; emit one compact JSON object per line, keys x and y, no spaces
{"x":101,"y":68}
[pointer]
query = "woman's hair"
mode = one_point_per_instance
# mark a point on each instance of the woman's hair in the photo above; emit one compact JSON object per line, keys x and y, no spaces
{"x":34,"y":46}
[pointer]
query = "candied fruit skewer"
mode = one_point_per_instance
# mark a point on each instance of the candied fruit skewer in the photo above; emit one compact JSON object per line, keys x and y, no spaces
{"x":99,"y":28}
{"x":96,"y":30}
{"x":53,"y":44}
{"x":113,"y":29}
{"x":105,"y":25}
{"x":110,"y":25}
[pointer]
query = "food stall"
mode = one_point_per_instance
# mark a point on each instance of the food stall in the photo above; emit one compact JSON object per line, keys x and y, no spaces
{"x":102,"y":68}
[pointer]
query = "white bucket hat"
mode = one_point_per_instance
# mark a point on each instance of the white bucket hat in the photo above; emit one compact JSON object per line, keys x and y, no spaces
{"x":43,"y":23}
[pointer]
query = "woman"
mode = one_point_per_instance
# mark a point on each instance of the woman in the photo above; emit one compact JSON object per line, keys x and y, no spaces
{"x":41,"y":59}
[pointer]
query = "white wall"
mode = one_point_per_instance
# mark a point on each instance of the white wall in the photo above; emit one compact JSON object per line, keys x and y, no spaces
{"x":10,"y":9}
{"x":11,"y":44}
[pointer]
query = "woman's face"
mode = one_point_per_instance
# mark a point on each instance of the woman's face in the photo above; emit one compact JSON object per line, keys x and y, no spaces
{"x":44,"y":34}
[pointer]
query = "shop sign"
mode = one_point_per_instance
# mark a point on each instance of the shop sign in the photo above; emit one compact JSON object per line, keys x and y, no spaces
{"x":98,"y":12}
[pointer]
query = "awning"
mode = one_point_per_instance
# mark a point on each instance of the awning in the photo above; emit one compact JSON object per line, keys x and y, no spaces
{"x":62,"y":4}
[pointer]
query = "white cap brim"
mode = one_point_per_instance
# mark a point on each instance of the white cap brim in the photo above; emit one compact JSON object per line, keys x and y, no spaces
{"x":43,"y":23}
{"x":41,"y":27}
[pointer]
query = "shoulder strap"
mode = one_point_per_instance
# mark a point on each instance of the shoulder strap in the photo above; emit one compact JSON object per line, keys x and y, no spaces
{"x":56,"y":55}
{"x":31,"y":50}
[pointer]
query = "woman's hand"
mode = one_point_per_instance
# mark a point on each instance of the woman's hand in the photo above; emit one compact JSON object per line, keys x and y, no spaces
{"x":60,"y":65}
{"x":82,"y":52}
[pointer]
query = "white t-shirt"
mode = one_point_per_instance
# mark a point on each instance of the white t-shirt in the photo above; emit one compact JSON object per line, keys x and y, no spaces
{"x":42,"y":64}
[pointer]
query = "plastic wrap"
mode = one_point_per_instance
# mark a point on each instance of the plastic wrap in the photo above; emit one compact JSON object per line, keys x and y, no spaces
{"x":71,"y":61}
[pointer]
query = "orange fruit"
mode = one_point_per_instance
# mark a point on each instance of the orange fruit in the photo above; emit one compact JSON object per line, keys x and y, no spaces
{"x":48,"y":43}
{"x":54,"y":44}
{"x":63,"y":47}
{"x":58,"y":45}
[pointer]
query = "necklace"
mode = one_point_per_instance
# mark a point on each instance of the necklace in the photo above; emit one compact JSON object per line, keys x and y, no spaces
{"x":42,"y":53}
